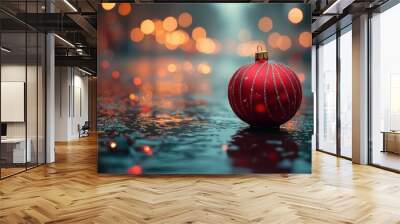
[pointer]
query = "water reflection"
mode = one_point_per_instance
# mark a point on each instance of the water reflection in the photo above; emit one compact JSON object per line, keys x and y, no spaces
{"x":263,"y":151}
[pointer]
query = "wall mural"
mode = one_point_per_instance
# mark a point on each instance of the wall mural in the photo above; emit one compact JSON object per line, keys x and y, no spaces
{"x":204,"y":88}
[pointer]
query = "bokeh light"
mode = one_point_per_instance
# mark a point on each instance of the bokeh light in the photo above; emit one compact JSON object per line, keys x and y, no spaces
{"x":136,"y":170}
{"x":171,"y":67}
{"x":137,"y":81}
{"x":305,"y":39}
{"x":295,"y":15}
{"x":115,"y":74}
{"x":124,"y":9}
{"x":113,"y":145}
{"x":177,"y":37}
{"x":284,"y":43}
{"x":136,"y":35}
{"x":199,"y":32}
{"x":205,"y":45}
{"x":170,"y":24}
{"x":108,"y":6}
{"x":185,"y":19}
{"x":265,"y":24}
{"x":273,"y":39}
{"x":147,"y":26}
{"x":148,"y":150}
{"x":204,"y":68}
{"x":133,"y":97}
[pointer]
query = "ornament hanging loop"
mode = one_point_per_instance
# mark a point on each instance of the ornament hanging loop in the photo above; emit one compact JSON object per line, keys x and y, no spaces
{"x":261,"y":54}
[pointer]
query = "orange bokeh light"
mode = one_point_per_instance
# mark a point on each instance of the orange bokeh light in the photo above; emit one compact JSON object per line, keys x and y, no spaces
{"x":204,"y":68}
{"x":147,"y":26}
{"x":160,"y":37}
{"x":170,"y":24}
{"x":284,"y":43}
{"x":199,"y":32}
{"x":305,"y":39}
{"x":124,"y":9}
{"x":273,"y":39}
{"x":132,"y":97}
{"x":137,"y":81}
{"x":136,"y":35}
{"x":177,"y":37}
{"x":170,"y":46}
{"x":205,"y":45}
{"x":185,"y":20}
{"x":171,"y":68}
{"x":265,"y":24}
{"x":108,"y":6}
{"x":295,"y":15}
{"x":115,"y":74}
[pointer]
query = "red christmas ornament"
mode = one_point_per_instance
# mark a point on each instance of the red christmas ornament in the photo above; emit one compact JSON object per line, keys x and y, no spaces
{"x":264,"y":94}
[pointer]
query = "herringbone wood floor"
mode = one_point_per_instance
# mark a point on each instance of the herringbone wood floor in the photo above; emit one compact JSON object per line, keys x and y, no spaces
{"x":70,"y":191}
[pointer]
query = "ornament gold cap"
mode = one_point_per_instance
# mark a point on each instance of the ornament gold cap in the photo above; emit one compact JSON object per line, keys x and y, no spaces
{"x":261,"y":54}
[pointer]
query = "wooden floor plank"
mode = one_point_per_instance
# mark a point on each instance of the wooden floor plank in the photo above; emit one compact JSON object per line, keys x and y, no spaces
{"x":71,"y":191}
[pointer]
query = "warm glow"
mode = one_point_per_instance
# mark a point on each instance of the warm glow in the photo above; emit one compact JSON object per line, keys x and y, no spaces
{"x":147,"y":149}
{"x":171,"y":68}
{"x":177,"y":37}
{"x":147,"y":26}
{"x":170,"y":46}
{"x":284,"y":43}
{"x":170,"y":24}
{"x":132,"y":97}
{"x":189,"y":45}
{"x":305,"y":39}
{"x":136,"y":35}
{"x":113,"y":145}
{"x":205,"y":45}
{"x":115,"y":74}
{"x":124,"y":9}
{"x":273,"y":40}
{"x":204,"y":68}
{"x":199,"y":32}
{"x":108,"y":6}
{"x":136,"y":170}
{"x":265,"y":24}
{"x":185,"y":20}
{"x":158,"y":24}
{"x":137,"y":81}
{"x":160,"y":37}
{"x":295,"y":15}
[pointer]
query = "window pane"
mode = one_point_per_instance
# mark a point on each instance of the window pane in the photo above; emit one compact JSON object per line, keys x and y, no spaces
{"x":327,"y":96}
{"x":346,"y":94}
{"x":385,"y":114}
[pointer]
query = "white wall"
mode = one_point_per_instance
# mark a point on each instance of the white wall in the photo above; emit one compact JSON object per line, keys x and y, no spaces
{"x":71,"y":102}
